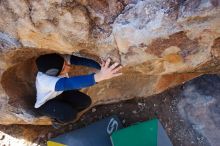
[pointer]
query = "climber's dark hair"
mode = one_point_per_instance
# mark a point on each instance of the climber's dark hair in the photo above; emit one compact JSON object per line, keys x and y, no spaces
{"x":50,"y":64}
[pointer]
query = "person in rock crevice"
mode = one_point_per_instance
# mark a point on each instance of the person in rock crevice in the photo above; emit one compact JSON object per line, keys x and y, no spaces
{"x":58,"y":96}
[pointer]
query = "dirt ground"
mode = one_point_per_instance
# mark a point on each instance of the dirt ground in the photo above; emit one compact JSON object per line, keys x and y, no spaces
{"x":162,"y":106}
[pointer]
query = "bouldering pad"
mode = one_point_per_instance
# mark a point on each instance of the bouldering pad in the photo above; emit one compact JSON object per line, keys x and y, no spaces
{"x":149,"y":133}
{"x":96,"y":134}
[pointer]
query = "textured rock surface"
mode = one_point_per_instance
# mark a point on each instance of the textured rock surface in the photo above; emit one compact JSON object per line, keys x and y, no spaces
{"x":201,"y":106}
{"x":161,"y":44}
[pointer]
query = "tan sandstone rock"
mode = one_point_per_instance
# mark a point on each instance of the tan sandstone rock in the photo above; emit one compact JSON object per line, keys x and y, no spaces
{"x":160,"y":43}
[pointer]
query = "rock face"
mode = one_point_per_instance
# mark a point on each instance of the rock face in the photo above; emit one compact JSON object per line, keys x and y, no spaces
{"x":200,"y":106}
{"x":160,"y":43}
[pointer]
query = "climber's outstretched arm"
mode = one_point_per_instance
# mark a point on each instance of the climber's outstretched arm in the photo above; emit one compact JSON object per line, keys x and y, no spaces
{"x":84,"y":61}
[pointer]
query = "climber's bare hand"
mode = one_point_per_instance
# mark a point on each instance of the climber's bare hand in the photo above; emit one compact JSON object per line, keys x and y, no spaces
{"x":108,"y":71}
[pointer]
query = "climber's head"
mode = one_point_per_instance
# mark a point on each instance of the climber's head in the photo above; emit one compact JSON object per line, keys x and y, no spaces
{"x":52,"y":64}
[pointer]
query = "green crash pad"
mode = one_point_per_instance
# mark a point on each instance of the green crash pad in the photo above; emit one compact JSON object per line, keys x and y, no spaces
{"x":150,"y":133}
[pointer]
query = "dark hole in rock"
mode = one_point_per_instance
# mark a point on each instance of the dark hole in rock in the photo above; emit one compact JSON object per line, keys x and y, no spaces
{"x":18,"y":81}
{"x":19,"y":84}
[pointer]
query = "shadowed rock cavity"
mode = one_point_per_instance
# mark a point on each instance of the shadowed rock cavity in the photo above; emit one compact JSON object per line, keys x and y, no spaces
{"x":18,"y":81}
{"x":19,"y":84}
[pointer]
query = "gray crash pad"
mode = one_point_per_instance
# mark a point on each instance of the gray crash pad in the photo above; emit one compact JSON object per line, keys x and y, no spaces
{"x":96,"y":134}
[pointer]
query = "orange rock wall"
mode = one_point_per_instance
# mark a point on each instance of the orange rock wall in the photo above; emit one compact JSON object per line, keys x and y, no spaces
{"x":160,"y":43}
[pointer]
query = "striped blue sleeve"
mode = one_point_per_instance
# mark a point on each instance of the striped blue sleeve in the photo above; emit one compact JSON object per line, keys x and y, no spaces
{"x":76,"y":82}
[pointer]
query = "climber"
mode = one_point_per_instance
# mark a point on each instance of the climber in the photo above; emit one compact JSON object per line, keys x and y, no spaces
{"x":58,"y":96}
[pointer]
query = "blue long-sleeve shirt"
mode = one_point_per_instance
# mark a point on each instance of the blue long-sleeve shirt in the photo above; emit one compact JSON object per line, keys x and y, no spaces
{"x":78,"y":82}
{"x":84,"y":61}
